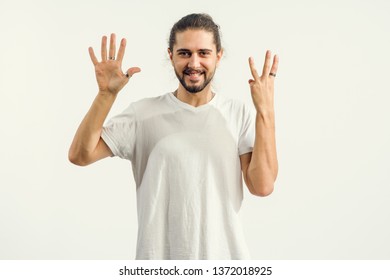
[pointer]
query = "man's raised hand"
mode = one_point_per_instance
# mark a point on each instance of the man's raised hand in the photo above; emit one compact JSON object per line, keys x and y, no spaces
{"x":109,"y":75}
{"x":262,"y":87}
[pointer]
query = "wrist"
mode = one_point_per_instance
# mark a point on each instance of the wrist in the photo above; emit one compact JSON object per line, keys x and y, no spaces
{"x":106,"y":97}
{"x":265,"y":112}
{"x":266,"y":117}
{"x":107,"y":93}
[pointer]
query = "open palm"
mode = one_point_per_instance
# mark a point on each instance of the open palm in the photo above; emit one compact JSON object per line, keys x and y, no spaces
{"x":109,"y":74}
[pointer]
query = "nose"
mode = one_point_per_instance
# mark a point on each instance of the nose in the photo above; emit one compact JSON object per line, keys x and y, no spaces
{"x":194,"y":61}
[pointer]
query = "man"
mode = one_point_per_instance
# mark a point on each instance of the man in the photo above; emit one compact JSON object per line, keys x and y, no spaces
{"x":188,"y":148}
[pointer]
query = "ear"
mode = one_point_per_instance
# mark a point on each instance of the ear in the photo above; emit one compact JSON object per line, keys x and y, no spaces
{"x":219,"y":56}
{"x":170,"y":55}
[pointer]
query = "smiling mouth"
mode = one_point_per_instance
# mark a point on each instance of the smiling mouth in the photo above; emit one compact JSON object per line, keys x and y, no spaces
{"x":193,"y":73}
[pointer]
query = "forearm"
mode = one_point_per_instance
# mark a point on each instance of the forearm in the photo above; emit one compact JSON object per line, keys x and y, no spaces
{"x":263,"y":167}
{"x":88,"y":133}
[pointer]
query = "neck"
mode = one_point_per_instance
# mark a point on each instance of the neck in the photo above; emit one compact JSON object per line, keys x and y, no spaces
{"x":194,"y":99}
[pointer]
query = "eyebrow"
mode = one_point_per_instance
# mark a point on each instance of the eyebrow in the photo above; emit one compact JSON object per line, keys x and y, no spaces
{"x":187,"y":50}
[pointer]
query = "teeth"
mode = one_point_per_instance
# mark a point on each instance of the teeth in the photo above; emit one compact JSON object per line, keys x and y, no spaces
{"x":188,"y":72}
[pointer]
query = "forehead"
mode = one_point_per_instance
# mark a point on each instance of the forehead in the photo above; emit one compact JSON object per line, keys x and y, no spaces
{"x":194,"y":40}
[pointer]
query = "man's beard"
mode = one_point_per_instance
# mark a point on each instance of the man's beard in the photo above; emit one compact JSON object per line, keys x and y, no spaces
{"x":193,"y":89}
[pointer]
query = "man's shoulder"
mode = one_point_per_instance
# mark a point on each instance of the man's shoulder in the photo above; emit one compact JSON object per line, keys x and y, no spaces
{"x":232,"y":104}
{"x":151,"y":105}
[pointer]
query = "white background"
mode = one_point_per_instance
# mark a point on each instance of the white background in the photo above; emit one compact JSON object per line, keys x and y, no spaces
{"x":332,"y":196}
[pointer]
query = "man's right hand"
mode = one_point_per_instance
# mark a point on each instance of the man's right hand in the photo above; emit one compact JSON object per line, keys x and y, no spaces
{"x":109,"y":75}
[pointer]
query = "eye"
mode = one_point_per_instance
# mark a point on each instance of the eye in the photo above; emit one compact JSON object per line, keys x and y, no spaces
{"x":184,"y":54}
{"x":204,"y":53}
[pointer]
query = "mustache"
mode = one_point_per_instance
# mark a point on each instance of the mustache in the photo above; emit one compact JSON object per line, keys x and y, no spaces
{"x":189,"y":71}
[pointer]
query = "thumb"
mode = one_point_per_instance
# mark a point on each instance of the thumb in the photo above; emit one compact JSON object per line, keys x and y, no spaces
{"x":131,"y":71}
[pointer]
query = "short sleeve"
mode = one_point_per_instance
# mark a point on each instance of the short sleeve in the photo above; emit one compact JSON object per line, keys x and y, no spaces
{"x":247,"y":136}
{"x":120,"y":134}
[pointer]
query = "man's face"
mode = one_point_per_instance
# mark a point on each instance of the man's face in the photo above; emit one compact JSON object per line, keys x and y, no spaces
{"x":194,"y":58}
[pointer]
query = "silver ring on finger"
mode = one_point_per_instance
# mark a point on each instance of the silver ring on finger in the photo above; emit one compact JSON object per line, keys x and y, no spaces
{"x":111,"y":58}
{"x":272,"y":74}
{"x":127,"y":75}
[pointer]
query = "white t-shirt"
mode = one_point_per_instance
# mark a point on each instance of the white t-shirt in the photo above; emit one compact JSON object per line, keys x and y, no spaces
{"x":187,"y":171}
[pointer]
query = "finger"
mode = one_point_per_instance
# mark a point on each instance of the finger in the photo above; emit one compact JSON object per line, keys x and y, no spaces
{"x":121,"y":51}
{"x":131,"y":71}
{"x":111,"y":54}
{"x":104,"y":48}
{"x":267,"y":63}
{"x":252,"y":66}
{"x":92,"y":56}
{"x":275,"y":64}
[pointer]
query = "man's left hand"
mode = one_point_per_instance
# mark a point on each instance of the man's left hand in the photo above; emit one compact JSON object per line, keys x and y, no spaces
{"x":262,"y":87}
